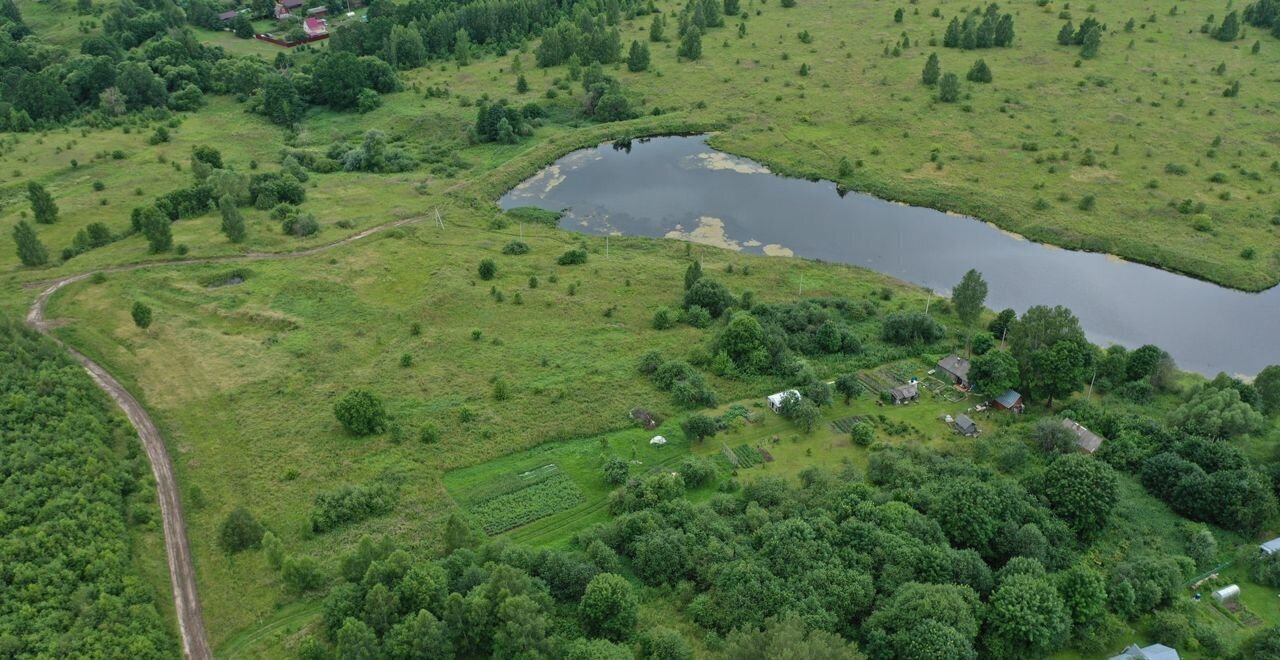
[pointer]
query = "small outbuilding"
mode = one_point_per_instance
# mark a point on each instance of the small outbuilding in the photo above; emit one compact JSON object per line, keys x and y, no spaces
{"x":956,"y":368}
{"x":1086,"y":441}
{"x":776,"y":400}
{"x":658,"y":440}
{"x":318,"y":11}
{"x":1227,"y":594}
{"x":1153,"y":652}
{"x":1010,"y":400}
{"x":1270,"y":547}
{"x":965,"y":426}
{"x":905,"y":393}
{"x":228,"y":16}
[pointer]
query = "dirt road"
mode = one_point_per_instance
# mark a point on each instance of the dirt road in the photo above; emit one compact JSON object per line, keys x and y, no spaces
{"x":182,"y":574}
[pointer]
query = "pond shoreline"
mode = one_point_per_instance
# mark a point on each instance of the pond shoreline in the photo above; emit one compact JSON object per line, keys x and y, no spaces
{"x":686,"y":188}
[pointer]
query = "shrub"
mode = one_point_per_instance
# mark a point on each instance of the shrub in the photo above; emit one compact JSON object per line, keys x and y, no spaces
{"x":573,"y":257}
{"x":515,"y":247}
{"x":141,"y":315}
{"x":301,"y":225}
{"x":301,"y":574}
{"x":616,"y":471}
{"x":863,"y":434}
{"x":697,"y":317}
{"x":487,"y":269}
{"x":349,"y":504}
{"x":361,"y":412}
{"x":663,"y":319}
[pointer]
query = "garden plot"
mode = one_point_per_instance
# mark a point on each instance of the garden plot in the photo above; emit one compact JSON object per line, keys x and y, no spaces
{"x":515,"y":500}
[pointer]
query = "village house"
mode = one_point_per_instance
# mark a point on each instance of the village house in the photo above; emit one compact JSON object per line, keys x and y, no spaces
{"x":905,"y":393}
{"x":776,"y":400}
{"x":1086,"y":441}
{"x":1270,"y":547}
{"x":315,"y":27}
{"x":956,"y":369}
{"x":965,"y":426}
{"x":286,"y":7}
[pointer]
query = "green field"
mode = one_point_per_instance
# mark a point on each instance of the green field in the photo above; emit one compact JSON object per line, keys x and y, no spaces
{"x":242,"y":379}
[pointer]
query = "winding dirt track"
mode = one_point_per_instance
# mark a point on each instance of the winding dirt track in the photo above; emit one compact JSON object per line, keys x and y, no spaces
{"x":182,"y":574}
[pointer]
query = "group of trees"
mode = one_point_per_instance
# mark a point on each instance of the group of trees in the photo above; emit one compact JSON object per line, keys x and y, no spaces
{"x":72,"y":481}
{"x":929,"y":557}
{"x":980,"y":29}
{"x":500,"y":601}
{"x":1088,"y":36}
{"x":1264,"y":14}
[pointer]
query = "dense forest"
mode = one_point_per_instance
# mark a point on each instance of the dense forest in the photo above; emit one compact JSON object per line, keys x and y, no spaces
{"x":72,"y":483}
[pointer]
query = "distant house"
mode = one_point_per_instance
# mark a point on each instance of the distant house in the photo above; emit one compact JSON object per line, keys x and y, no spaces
{"x":1086,"y":441}
{"x":1270,"y":547}
{"x":1010,"y":400}
{"x":1153,"y":652}
{"x":965,"y":426}
{"x":286,"y":7}
{"x":776,"y":400}
{"x":315,"y":27}
{"x":956,"y":368}
{"x":318,"y":11}
{"x":905,"y":393}
{"x":228,"y":16}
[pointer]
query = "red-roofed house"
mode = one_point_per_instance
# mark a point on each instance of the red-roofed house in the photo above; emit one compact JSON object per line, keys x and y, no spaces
{"x":315,"y":27}
{"x":286,"y":7}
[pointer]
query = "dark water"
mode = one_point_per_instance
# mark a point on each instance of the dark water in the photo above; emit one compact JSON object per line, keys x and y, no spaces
{"x":680,"y":184}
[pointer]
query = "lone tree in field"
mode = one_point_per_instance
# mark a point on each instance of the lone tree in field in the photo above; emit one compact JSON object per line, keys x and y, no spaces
{"x":949,"y":88}
{"x":141,"y":315}
{"x":361,"y":412}
{"x":699,"y":427}
{"x":156,"y":227}
{"x":932,"y":70}
{"x":488,"y":270}
{"x":232,"y":220}
{"x":42,"y":205}
{"x":691,"y":45}
{"x":692,"y":274}
{"x":979,"y":72}
{"x":638,"y":58}
{"x":240,"y":531}
{"x":30,"y":250}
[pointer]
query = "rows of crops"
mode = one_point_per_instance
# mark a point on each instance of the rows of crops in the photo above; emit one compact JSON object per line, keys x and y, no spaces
{"x":546,"y":495}
{"x":748,"y":456}
{"x":846,"y":424}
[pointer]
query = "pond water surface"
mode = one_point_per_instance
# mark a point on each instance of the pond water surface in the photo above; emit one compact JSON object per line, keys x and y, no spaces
{"x":679,"y":187}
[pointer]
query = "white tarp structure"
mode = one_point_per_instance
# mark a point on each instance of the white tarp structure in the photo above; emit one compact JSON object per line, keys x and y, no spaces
{"x":776,"y":400}
{"x":658,"y":440}
{"x":1229,"y":592}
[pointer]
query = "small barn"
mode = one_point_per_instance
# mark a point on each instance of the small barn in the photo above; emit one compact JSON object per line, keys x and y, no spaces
{"x":1270,"y":547}
{"x":318,"y":11}
{"x":776,"y":400}
{"x":286,"y":7}
{"x":1010,"y":400}
{"x":1153,"y":652}
{"x":955,"y":368}
{"x":1086,"y":441}
{"x":227,"y":16}
{"x":965,"y":426}
{"x":905,"y":393}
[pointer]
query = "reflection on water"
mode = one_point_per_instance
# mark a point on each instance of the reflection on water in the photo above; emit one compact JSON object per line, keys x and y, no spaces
{"x":678,"y":187}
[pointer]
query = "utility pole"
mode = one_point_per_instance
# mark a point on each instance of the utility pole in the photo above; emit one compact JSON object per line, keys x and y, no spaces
{"x":606,"y":246}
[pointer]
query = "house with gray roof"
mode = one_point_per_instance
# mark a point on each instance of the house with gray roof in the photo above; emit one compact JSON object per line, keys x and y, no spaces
{"x":905,"y":393}
{"x":956,"y":368}
{"x":1270,"y":547}
{"x":965,"y":426}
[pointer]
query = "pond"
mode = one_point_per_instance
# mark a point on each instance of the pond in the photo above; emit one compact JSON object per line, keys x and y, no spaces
{"x":679,"y":187}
